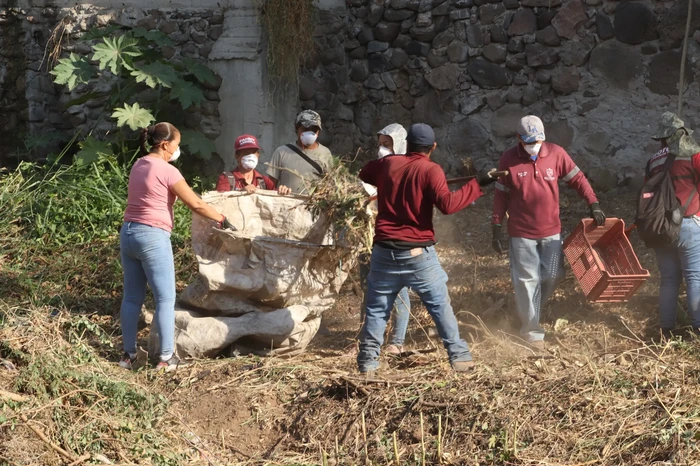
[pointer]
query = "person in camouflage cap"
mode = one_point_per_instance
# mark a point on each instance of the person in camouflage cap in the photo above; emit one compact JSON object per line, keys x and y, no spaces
{"x":679,"y":261}
{"x":295,"y":166}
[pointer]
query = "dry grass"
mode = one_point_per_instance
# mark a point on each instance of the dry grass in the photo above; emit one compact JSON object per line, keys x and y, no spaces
{"x":604,"y":394}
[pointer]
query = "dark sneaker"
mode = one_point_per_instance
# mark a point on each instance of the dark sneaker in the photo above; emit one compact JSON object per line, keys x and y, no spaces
{"x":127,"y":362}
{"x":170,"y":365}
{"x":463,"y":366}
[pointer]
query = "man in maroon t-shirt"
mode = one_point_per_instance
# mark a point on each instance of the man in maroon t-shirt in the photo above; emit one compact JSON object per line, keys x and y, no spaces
{"x":403,"y":255}
{"x":530,"y":196}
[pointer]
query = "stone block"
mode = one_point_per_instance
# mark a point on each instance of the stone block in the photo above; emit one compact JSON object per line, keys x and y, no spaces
{"x":489,"y":75}
{"x":634,"y":23}
{"x":524,"y":22}
{"x":570,"y":16}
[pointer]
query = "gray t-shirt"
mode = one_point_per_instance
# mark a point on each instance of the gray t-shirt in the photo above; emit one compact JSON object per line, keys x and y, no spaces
{"x":291,"y":170}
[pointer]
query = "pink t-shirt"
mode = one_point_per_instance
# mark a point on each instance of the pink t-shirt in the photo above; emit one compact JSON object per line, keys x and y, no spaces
{"x":150,"y":199}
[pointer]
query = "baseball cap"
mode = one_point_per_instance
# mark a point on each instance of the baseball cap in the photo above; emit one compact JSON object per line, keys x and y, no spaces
{"x":421,"y":134}
{"x":246,"y":141}
{"x":531,"y":129}
{"x":308,"y":119}
{"x":669,"y":124}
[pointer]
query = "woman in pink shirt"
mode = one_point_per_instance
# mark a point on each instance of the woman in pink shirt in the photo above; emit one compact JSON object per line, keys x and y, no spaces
{"x":146,"y":252}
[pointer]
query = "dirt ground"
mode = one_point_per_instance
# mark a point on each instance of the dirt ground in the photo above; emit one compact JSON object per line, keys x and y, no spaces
{"x":604,"y":393}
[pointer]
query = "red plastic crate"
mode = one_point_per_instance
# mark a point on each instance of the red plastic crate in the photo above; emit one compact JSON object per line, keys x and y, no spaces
{"x":604,"y":262}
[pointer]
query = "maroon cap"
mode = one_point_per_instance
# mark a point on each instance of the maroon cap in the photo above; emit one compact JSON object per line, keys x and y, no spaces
{"x":247,"y":141}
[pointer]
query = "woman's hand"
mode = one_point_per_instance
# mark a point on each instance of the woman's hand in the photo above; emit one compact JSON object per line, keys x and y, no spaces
{"x":284,"y":190}
{"x":250,"y":189}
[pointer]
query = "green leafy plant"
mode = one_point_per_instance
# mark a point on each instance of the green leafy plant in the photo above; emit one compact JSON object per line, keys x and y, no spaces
{"x":134,"y":57}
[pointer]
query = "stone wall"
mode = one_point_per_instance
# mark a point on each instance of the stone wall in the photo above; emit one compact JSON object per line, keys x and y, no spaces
{"x":598,"y":72}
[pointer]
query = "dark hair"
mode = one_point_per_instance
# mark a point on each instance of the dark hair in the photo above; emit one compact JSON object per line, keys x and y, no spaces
{"x":156,"y":134}
{"x":418,"y":148}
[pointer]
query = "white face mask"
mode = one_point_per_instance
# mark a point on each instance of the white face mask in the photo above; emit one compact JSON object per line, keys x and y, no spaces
{"x":175,"y":156}
{"x":533,"y":149}
{"x":249,"y":162}
{"x":308,"y":138}
{"x":383,"y":152}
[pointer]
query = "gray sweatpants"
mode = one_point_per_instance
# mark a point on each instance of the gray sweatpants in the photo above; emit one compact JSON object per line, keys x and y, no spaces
{"x":536,"y":268}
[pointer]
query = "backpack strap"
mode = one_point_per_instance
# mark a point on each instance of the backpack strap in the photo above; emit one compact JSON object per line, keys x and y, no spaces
{"x":309,"y":160}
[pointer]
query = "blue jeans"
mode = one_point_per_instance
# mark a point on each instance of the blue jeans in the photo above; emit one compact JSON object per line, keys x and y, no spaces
{"x":536,"y":267}
{"x":678,"y":262}
{"x":147,"y":258}
{"x":402,"y":305}
{"x":392,"y":270}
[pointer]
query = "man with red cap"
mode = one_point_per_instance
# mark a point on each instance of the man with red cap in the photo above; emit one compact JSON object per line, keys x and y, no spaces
{"x":245,"y":177}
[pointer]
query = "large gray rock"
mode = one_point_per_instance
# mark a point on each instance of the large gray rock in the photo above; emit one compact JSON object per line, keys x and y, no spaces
{"x":375,"y":82}
{"x":375,"y":46}
{"x":570,"y":16}
{"x":539,"y":55}
{"x":365,"y":36}
{"x":489,"y":12}
{"x":504,"y":122}
{"x":617,"y":63}
{"x":672,"y":25}
{"x":468,"y":137}
{"x":634,"y":23}
{"x":575,"y":53}
{"x":498,"y":35}
{"x":470,"y":105}
{"x":566,"y":80}
{"x":495,"y":53}
{"x":399,"y":58}
{"x":548,"y":36}
{"x":379,"y":63}
{"x":445,"y":77}
{"x":420,"y":49}
{"x":475,"y":38}
{"x":489,"y":75}
{"x":436,"y":109}
{"x":397,"y":15}
{"x":540,"y":3}
{"x":359,"y":71}
{"x":365,"y":116}
{"x":604,"y":26}
{"x":443,"y":39}
{"x":560,"y":133}
{"x":524,"y":22}
{"x":664,"y":73}
{"x":458,"y":52}
{"x":386,"y":32}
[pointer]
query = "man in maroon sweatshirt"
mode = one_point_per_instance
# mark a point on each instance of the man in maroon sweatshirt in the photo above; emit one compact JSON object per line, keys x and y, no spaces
{"x":529,"y":194}
{"x":403,"y":254}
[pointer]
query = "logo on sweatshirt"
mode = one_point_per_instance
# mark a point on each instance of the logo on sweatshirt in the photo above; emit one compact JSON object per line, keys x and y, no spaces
{"x":522,"y":174}
{"x":550,"y":175}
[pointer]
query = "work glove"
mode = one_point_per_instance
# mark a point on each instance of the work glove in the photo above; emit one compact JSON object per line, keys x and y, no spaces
{"x":224,"y":224}
{"x":497,"y":239}
{"x":484,"y":178}
{"x":597,"y":214}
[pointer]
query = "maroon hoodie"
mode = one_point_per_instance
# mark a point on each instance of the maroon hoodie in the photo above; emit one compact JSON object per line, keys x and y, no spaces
{"x":530,"y":192}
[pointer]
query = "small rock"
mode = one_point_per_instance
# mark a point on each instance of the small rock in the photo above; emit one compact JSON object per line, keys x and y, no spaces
{"x":389,"y":81}
{"x":511,"y":4}
{"x":379,"y":63}
{"x":474,"y":36}
{"x":442,"y":10}
{"x":597,"y":142}
{"x":539,"y":55}
{"x":560,"y":325}
{"x":365,"y":36}
{"x":545,"y":19}
{"x":375,"y":82}
{"x":489,"y":75}
{"x":634,"y":23}
{"x":516,"y":61}
{"x":516,"y":45}
{"x":307,"y":88}
{"x":463,"y":3}
{"x":386,"y":32}
{"x":496,"y":101}
{"x":443,"y":39}
{"x":424,"y":19}
{"x":514,"y":96}
{"x":570,"y":16}
{"x":168,"y":27}
{"x":498,"y":35}
{"x":548,"y":36}
{"x":575,"y":53}
{"x":566,"y":80}
{"x":530,"y":96}
{"x":456,"y":15}
{"x":541,"y":3}
{"x":520,"y":79}
{"x":399,"y":58}
{"x":424,"y":34}
{"x":376,"y":46}
{"x":215,"y":32}
{"x":604,"y":26}
{"x":359,"y":72}
{"x":524,"y":22}
{"x":397,"y":15}
{"x":543,"y":76}
{"x":420,"y":49}
{"x":376,"y":10}
{"x":664,"y":73}
{"x":444,"y":77}
{"x":457,"y":52}
{"x":359,"y":52}
{"x":435,"y":59}
{"x":495,"y":53}
{"x":488,"y":13}
{"x":470,"y":105}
